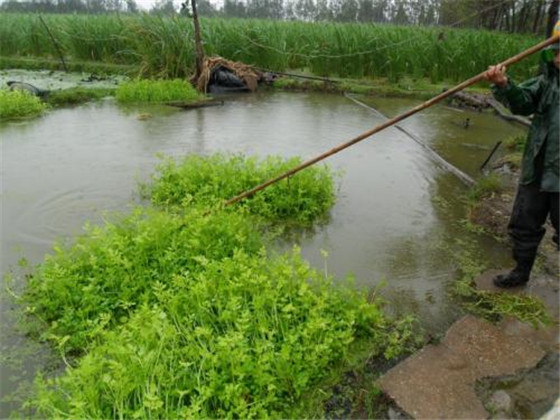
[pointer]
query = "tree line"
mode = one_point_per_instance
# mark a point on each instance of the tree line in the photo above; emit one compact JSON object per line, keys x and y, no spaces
{"x":520,"y":16}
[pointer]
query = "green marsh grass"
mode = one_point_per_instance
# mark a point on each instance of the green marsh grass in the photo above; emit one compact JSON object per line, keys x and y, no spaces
{"x":164,"y":47}
{"x":19,"y":104}
{"x":154,"y":91}
{"x":176,"y":311}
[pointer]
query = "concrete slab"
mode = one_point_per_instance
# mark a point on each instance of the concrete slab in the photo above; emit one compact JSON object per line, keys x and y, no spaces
{"x":438,"y":381}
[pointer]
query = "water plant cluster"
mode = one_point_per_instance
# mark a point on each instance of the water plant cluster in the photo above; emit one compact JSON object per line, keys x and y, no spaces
{"x":179,"y":310}
{"x":163,"y":47}
{"x":19,"y":104}
{"x":154,"y":91}
{"x":302,"y":199}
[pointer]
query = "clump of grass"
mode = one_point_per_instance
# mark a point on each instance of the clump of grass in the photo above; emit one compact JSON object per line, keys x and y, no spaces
{"x":157,"y":91}
{"x":516,"y":143}
{"x":301,"y":199}
{"x":19,"y":104}
{"x":485,"y":187}
{"x":516,"y":146}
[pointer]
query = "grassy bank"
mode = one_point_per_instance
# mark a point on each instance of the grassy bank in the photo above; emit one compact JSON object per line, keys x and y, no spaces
{"x":181,"y":312}
{"x":163,"y":46}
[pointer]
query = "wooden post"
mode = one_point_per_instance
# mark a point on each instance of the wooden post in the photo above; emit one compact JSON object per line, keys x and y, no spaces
{"x":198,"y":41}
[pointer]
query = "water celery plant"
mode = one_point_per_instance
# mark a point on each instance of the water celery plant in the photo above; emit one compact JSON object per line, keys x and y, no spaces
{"x":157,"y":91}
{"x":245,"y":337}
{"x":19,"y":104}
{"x":111,"y":270}
{"x":302,"y":198}
{"x":180,"y":312}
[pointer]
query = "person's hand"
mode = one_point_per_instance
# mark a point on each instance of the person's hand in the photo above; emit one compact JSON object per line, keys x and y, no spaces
{"x":497,"y":75}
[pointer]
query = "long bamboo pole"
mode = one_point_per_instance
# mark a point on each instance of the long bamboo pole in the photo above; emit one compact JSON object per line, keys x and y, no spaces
{"x":388,"y":123}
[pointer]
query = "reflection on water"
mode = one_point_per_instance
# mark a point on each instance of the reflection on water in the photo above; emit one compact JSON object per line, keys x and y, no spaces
{"x":388,"y":223}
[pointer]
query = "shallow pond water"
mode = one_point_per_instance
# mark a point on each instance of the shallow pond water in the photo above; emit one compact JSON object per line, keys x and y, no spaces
{"x":396,"y":217}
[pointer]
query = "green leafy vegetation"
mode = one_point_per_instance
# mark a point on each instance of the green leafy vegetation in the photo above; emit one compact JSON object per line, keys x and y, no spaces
{"x":19,"y":104}
{"x":485,"y":187}
{"x":184,"y":314}
{"x":516,"y":146}
{"x":516,"y":143}
{"x":242,"y":337}
{"x":301,"y":199}
{"x":157,"y":91}
{"x":110,"y":271}
{"x":163,"y":47}
{"x":493,"y":306}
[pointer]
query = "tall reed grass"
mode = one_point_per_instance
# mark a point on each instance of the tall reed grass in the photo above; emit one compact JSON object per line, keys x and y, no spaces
{"x":163,"y":46}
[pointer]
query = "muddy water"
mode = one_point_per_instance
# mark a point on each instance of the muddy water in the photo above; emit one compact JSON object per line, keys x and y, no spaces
{"x":396,"y":213}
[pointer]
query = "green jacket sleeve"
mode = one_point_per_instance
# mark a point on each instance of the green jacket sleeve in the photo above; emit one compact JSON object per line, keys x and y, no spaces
{"x":520,"y":99}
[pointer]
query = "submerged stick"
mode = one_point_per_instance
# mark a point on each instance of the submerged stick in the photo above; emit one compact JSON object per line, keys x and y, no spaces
{"x":55,"y":44}
{"x":490,"y":155}
{"x":392,"y":121}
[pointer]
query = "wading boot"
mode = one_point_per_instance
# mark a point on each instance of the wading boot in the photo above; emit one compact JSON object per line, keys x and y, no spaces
{"x":519,"y":276}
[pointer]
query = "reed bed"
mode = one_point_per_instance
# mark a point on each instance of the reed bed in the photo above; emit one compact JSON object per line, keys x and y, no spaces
{"x":163,"y":46}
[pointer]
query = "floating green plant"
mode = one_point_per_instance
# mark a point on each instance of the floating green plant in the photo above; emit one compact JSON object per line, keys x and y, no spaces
{"x":301,"y":199}
{"x":157,"y":91}
{"x":184,"y":314}
{"x":19,"y":104}
{"x":242,"y":337}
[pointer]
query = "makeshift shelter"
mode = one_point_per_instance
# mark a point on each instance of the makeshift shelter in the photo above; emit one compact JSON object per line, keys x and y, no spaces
{"x":221,"y":75}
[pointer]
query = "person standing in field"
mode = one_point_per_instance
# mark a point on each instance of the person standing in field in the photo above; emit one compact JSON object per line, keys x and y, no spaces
{"x":537,"y":194}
